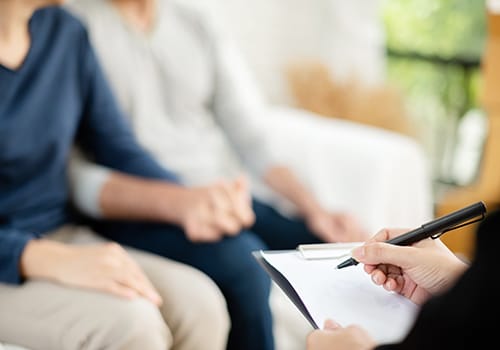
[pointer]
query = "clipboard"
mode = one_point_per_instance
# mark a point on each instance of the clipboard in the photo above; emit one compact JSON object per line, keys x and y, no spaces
{"x":285,"y":286}
{"x":318,"y":251}
{"x":308,"y":277}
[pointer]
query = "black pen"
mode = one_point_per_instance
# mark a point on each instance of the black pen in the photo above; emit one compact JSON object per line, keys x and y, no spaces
{"x":434,"y":228}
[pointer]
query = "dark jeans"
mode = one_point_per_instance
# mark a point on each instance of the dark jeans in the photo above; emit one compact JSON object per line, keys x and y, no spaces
{"x":228,"y":262}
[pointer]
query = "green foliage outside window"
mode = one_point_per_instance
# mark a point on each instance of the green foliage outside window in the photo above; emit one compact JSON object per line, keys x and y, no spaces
{"x":436,"y":43}
{"x":447,"y":28}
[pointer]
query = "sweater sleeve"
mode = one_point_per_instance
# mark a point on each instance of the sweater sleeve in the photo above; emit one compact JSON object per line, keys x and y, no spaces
{"x":12,"y":243}
{"x":238,"y":105}
{"x":104,"y":133}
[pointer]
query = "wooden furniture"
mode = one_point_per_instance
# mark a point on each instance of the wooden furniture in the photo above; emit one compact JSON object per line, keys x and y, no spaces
{"x":487,"y":185}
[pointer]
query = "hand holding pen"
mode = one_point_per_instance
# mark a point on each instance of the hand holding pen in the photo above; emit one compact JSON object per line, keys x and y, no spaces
{"x":418,"y":269}
{"x":434,"y":228}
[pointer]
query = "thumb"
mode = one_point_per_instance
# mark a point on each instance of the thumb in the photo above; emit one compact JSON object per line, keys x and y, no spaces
{"x":242,"y":185}
{"x":384,"y":253}
{"x":331,"y":325}
{"x":244,"y":200}
{"x":242,"y":182}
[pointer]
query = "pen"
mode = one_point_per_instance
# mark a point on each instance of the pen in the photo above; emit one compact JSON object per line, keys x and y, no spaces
{"x":434,"y":228}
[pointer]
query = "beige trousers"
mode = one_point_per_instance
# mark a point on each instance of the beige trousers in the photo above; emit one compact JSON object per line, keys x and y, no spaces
{"x":48,"y":316}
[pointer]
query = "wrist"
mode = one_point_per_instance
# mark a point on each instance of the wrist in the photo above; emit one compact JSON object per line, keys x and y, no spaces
{"x":171,"y":205}
{"x":459,"y":268}
{"x":455,"y":269}
{"x":41,"y":258}
{"x":309,"y":208}
{"x":134,"y":198}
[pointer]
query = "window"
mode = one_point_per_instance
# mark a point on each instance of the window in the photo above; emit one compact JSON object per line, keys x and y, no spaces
{"x":434,"y":49}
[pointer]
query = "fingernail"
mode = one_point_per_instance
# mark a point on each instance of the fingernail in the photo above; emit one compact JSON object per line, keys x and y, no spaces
{"x":331,"y":324}
{"x":155,"y":298}
{"x":131,"y":294}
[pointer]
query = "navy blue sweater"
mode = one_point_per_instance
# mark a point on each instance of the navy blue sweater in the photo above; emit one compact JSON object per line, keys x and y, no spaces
{"x":58,"y":96}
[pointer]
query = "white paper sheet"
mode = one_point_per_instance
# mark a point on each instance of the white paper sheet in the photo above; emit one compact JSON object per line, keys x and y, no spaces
{"x":347,"y":295}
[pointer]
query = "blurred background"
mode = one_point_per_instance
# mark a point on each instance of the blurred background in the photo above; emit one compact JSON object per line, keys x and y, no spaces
{"x":415,"y":67}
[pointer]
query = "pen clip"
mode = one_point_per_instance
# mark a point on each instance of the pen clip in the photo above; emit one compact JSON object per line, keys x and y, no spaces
{"x":439,"y":234}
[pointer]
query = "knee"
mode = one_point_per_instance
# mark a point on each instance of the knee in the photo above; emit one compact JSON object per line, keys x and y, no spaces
{"x":132,"y":325}
{"x":214,"y":308}
{"x":199,"y":320}
{"x":209,"y":309}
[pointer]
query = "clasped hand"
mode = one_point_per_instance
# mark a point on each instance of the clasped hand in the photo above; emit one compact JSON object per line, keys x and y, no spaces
{"x":221,"y":209}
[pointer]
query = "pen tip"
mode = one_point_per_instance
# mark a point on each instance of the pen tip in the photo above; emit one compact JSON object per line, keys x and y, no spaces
{"x":346,"y":263}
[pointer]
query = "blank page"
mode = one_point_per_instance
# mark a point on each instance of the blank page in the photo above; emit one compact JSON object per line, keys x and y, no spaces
{"x":347,"y":296}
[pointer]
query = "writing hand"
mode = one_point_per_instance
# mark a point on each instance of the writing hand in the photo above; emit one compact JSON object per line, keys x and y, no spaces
{"x":416,"y":272}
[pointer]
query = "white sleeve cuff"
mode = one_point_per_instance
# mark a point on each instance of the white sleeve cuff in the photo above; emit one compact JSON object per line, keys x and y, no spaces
{"x":87,"y":181}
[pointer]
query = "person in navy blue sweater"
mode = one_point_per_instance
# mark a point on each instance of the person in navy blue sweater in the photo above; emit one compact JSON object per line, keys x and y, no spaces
{"x":55,"y":291}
